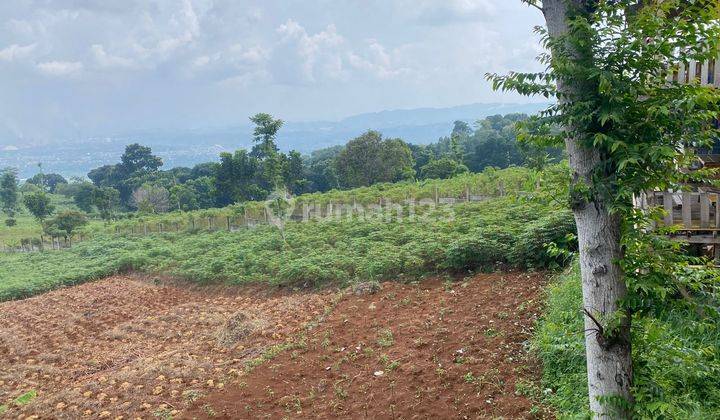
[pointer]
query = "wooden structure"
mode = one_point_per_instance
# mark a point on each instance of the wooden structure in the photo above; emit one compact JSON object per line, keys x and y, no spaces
{"x":707,"y":73}
{"x":694,"y":215}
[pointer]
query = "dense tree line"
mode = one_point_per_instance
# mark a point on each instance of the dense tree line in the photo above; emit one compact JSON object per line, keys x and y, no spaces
{"x":137,"y":182}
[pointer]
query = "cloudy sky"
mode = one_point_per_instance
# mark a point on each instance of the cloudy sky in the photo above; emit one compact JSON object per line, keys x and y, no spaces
{"x":78,"y":68}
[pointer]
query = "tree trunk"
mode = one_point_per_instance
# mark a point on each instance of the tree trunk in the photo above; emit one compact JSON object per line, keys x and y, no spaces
{"x":609,"y":364}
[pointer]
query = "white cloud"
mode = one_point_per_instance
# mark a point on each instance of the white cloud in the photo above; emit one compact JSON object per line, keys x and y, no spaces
{"x":254,"y":55}
{"x":16,"y":52}
{"x":201,"y":61}
{"x":104,"y":59}
{"x":301,"y":58}
{"x":237,"y":65}
{"x":240,"y":56}
{"x":214,"y":59}
{"x":306,"y":58}
{"x":444,"y":12}
{"x":20,"y":27}
{"x":60,"y":68}
{"x":377,"y":62}
{"x":187,"y":26}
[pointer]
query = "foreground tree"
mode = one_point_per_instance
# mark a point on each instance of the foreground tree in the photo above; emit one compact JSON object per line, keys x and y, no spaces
{"x":271,"y":163}
{"x":183,"y":197}
{"x":138,"y":160}
{"x":84,"y":196}
{"x":48,"y":181}
{"x":137,"y":166}
{"x":626,"y":129}
{"x":442,"y":168}
{"x":236,"y":180}
{"x":264,"y":134}
{"x":320,"y":169}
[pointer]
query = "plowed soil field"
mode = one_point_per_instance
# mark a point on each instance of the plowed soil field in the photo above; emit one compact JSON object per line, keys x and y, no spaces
{"x":130,"y":347}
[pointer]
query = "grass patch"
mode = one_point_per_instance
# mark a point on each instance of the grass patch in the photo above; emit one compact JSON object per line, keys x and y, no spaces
{"x":676,"y":358}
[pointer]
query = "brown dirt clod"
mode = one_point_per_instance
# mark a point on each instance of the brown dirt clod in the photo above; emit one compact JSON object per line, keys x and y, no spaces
{"x":125,"y":346}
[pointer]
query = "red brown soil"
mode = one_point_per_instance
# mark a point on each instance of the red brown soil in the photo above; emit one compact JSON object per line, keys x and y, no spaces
{"x":126,"y":348}
{"x":445,"y":351}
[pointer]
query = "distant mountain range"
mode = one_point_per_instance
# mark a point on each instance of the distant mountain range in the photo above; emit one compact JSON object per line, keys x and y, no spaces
{"x":192,"y":146}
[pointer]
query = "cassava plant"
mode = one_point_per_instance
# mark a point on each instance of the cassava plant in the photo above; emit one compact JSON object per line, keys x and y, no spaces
{"x":627,"y":128}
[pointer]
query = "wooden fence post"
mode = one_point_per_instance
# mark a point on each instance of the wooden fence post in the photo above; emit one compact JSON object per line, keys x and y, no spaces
{"x":687,"y":209}
{"x":704,"y":210}
{"x":668,"y":206}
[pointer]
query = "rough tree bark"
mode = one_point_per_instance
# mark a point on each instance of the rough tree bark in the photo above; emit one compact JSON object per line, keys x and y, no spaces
{"x":609,"y":364}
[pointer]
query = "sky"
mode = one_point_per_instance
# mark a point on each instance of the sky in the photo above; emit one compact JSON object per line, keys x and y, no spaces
{"x":78,"y":68}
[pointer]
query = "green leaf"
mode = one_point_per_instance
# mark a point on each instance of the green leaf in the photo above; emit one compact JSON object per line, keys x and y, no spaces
{"x":617,"y":144}
{"x":26,"y":397}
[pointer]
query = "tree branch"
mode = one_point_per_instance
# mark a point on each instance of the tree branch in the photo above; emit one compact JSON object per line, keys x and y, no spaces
{"x":534,"y":3}
{"x":600,"y":328}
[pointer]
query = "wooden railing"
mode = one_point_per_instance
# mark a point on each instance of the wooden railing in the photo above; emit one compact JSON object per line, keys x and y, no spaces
{"x":708,"y":72}
{"x":684,"y":209}
{"x":694,"y":215}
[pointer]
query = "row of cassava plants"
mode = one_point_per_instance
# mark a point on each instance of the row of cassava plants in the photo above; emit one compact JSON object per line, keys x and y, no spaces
{"x":507,"y":231}
{"x":380,"y":200}
{"x":405,"y":197}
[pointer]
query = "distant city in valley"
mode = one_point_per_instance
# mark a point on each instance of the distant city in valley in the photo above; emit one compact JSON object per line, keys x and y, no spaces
{"x":189,"y":147}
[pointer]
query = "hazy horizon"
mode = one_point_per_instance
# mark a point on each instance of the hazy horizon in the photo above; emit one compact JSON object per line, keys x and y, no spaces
{"x":187,"y":147}
{"x":73,"y":69}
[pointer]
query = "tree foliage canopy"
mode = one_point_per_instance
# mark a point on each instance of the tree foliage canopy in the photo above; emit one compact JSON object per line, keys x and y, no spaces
{"x":9,"y":192}
{"x":39,"y":205}
{"x":369,"y":159}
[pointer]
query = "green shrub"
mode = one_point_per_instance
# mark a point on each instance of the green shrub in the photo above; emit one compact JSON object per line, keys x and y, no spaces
{"x":474,"y":252}
{"x":559,"y":342}
{"x":305,"y":273}
{"x":130,"y":263}
{"x":532,"y":248}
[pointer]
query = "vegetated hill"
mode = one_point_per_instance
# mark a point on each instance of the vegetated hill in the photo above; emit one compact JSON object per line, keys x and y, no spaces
{"x":186,"y":147}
